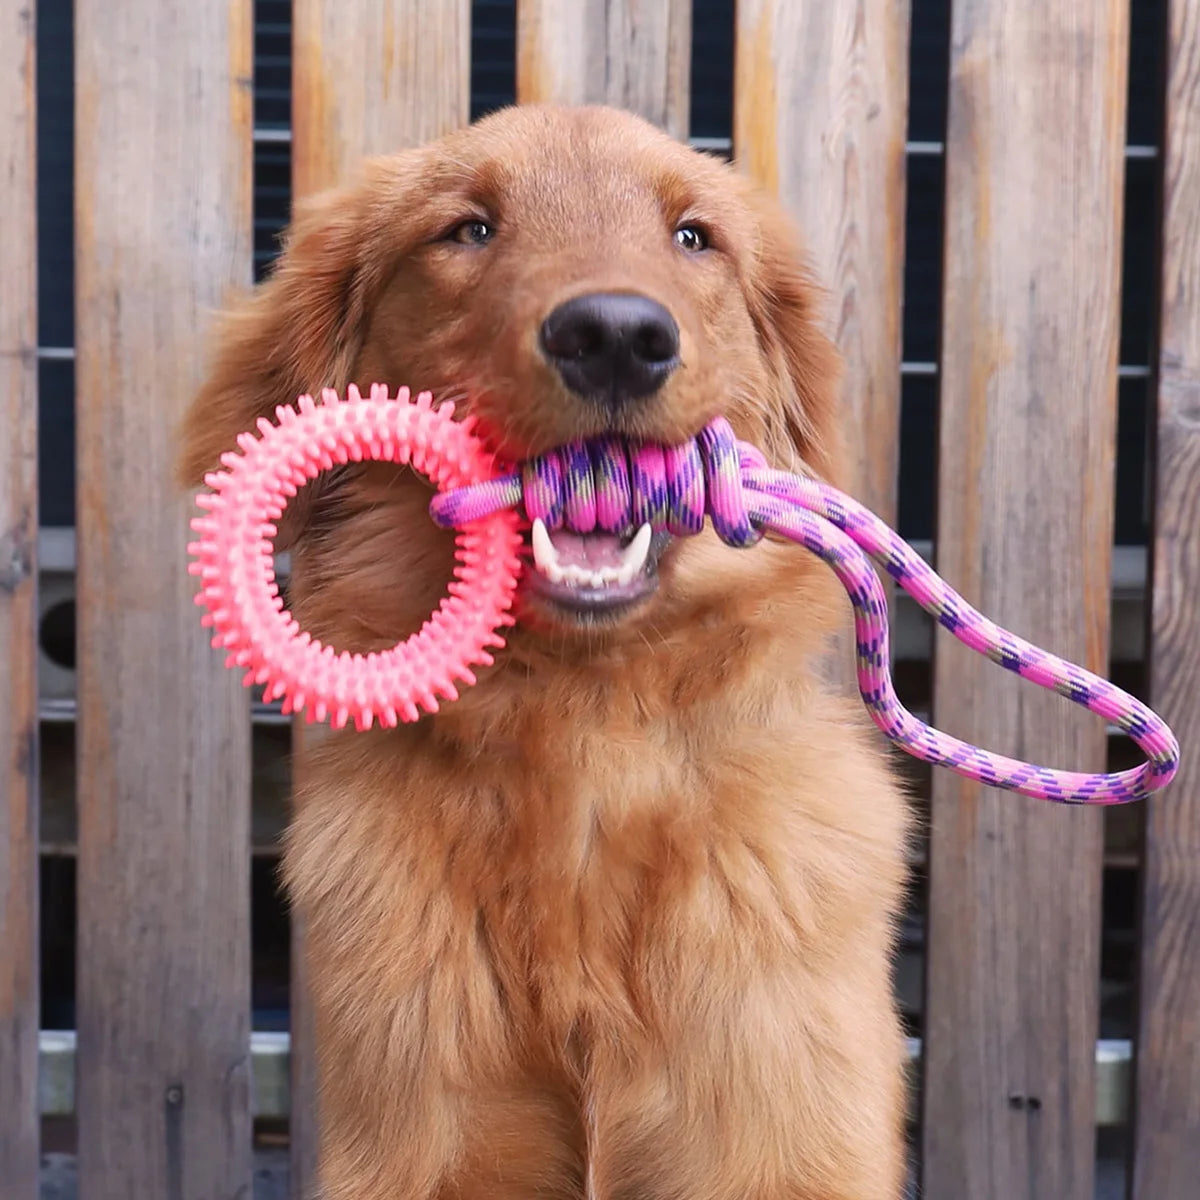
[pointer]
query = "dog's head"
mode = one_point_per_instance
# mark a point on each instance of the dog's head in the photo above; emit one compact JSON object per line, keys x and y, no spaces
{"x":560,"y":273}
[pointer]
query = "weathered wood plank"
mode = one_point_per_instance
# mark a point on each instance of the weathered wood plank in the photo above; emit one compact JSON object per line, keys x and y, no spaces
{"x":367,"y":78}
{"x":1033,"y":221}
{"x":621,"y":52}
{"x":820,"y":111}
{"x":18,"y":607}
{"x":1166,"y":1148}
{"x":371,"y":77}
{"x":163,"y":223}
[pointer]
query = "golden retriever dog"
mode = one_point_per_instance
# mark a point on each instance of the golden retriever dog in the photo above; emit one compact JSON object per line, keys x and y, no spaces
{"x":617,"y":924}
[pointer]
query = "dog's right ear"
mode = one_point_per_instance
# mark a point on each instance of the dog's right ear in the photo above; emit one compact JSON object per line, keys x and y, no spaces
{"x":302,"y":328}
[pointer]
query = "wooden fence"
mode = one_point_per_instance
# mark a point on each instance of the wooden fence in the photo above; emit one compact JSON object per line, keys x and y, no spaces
{"x":163,"y":1090}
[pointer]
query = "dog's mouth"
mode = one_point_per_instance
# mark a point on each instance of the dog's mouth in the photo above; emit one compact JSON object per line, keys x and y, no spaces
{"x":590,"y":577}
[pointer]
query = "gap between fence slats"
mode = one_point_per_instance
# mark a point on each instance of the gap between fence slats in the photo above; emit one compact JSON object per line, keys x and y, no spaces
{"x":18,"y":608}
{"x":1034,"y":158}
{"x":1167,"y":1089}
{"x":163,"y":230}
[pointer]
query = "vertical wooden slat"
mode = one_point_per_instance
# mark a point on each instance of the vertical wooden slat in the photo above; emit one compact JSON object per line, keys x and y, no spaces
{"x":1166,"y":1145}
{"x":820,"y":108}
{"x":162,"y":215}
{"x":368,"y":77}
{"x":1032,"y":239}
{"x":621,"y":52}
{"x":18,"y":608}
{"x":373,"y":76}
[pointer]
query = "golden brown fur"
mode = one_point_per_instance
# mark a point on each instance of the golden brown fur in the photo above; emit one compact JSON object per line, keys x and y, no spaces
{"x":617,"y":924}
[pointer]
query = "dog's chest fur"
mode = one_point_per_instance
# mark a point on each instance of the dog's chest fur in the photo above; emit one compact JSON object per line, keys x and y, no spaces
{"x":529,"y":897}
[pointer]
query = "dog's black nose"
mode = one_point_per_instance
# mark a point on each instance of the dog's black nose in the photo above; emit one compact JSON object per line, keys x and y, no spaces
{"x":611,"y":348}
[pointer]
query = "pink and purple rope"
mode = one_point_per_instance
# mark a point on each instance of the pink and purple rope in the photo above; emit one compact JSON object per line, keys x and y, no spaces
{"x":614,"y":486}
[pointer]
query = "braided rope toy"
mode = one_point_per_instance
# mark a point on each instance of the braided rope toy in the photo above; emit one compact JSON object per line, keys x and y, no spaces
{"x":613,"y":486}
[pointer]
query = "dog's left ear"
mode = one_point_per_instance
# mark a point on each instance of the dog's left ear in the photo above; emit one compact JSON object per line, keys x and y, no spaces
{"x":785,"y":304}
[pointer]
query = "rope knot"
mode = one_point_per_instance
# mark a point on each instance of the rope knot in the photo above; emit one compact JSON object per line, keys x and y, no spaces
{"x":616,"y":486}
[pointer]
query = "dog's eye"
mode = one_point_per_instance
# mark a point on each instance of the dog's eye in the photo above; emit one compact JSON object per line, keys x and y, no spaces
{"x":691,"y":238}
{"x":472,"y":233}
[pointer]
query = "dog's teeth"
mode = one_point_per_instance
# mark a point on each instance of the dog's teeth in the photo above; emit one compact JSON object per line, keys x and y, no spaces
{"x":545,"y":556}
{"x":544,"y":553}
{"x":633,"y":557}
{"x":547,"y":561}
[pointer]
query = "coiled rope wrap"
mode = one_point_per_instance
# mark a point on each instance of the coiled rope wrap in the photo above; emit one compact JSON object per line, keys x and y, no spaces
{"x":613,"y":486}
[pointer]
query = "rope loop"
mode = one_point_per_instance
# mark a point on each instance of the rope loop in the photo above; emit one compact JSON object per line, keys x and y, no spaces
{"x":616,"y":486}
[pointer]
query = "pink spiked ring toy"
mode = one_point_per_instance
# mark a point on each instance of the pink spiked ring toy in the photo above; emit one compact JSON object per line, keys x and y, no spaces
{"x":234,"y":559}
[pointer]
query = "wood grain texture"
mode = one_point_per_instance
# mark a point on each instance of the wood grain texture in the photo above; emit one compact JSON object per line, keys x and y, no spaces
{"x":18,"y":607}
{"x":367,"y":78}
{"x":1032,"y":239}
{"x":1166,"y":1145}
{"x":627,"y":53}
{"x":820,"y":111}
{"x":163,"y":224}
{"x":373,"y":76}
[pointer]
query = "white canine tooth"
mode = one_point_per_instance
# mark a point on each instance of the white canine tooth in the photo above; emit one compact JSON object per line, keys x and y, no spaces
{"x":633,"y":557}
{"x":546,"y":559}
{"x":544,"y":554}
